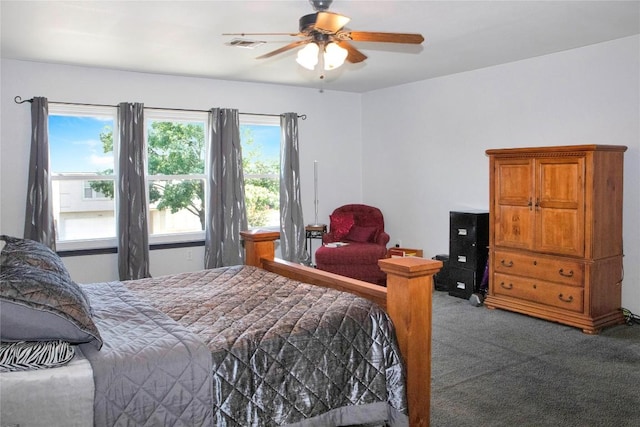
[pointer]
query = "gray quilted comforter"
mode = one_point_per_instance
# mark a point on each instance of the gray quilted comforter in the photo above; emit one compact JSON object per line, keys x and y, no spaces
{"x":284,"y":352}
{"x":151,"y":371}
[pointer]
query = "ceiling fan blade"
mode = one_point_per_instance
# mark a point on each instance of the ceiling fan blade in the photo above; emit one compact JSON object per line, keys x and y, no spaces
{"x":354,"y":55}
{"x":283,"y":49}
{"x":329,"y":22}
{"x":365,"y":36}
{"x":262,"y":34}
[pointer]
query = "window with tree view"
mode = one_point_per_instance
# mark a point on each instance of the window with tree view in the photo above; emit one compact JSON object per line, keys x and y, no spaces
{"x":176,"y":151}
{"x":260,"y":137}
{"x":82,"y":163}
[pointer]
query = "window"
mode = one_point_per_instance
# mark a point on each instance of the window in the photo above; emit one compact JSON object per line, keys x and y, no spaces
{"x":81,"y":161}
{"x":260,"y":139}
{"x":81,"y":142}
{"x":90,"y":192}
{"x":176,"y":154}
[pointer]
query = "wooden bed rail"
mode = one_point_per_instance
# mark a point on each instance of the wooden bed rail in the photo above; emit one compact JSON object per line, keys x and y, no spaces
{"x":407,"y":299}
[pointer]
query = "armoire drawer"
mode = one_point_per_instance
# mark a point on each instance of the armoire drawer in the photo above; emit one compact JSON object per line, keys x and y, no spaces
{"x":553,"y":294}
{"x":559,"y":270}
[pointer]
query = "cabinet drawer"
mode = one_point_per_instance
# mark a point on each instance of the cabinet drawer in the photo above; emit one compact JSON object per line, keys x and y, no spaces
{"x":463,"y":282}
{"x":552,"y":294}
{"x":466,"y":233}
{"x":464,"y":255}
{"x":468,"y":226}
{"x":560,"y":270}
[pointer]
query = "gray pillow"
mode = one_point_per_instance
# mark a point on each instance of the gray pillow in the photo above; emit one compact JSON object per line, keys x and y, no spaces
{"x":42,"y":305}
{"x":29,"y":253}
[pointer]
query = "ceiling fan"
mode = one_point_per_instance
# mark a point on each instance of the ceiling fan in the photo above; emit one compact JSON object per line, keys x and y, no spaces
{"x":325,"y":38}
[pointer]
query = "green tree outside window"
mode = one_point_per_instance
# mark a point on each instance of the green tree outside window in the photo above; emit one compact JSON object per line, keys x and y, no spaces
{"x":176,"y":148}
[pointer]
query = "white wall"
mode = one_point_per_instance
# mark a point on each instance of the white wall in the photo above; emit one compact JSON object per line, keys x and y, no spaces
{"x":423,"y":154}
{"x":416,"y":151}
{"x":331,"y":134}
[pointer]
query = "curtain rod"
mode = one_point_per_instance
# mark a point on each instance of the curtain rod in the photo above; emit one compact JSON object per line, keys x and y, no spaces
{"x":18,"y":100}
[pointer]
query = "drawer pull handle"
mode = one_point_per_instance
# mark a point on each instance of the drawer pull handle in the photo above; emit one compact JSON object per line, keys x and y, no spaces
{"x":569,"y":274}
{"x":507,"y":287}
{"x":507,"y":264}
{"x":563,"y":299}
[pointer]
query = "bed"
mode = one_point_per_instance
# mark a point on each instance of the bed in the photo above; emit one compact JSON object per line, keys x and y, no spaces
{"x":268,"y":343}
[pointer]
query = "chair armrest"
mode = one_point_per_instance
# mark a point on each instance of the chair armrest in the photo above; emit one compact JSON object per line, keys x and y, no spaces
{"x":328,"y":238}
{"x":383,"y":238}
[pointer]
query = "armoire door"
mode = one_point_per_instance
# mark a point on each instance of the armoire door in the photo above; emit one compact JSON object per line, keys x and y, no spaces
{"x":514,"y":213}
{"x":559,"y":205}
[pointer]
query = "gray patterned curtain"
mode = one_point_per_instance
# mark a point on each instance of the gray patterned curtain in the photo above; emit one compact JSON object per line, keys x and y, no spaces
{"x":292,"y":232}
{"x":39,"y":224}
{"x":225,"y":205}
{"x":133,"y":232}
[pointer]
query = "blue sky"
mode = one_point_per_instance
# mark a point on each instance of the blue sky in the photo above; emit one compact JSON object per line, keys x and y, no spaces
{"x":74,"y":143}
{"x":268,"y":137}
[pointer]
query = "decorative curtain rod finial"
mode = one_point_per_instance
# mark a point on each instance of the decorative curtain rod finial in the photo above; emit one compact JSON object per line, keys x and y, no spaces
{"x":18,"y":100}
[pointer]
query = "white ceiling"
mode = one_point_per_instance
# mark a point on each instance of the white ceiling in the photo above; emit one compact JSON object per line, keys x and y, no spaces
{"x":184,"y":37}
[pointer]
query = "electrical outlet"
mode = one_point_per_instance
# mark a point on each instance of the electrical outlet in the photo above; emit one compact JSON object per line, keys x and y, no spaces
{"x":189,"y":255}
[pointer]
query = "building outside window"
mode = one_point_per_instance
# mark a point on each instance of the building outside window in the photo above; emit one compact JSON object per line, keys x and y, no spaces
{"x":82,"y":153}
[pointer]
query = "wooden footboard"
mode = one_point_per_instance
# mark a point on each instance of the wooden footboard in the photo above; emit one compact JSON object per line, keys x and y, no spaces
{"x":407,"y":298}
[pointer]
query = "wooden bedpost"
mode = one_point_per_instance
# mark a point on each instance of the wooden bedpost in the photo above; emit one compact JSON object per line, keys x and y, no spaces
{"x":259,"y":245}
{"x":409,"y":300}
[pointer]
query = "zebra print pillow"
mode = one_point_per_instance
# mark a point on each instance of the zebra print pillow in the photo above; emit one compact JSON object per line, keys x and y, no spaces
{"x":29,"y":355}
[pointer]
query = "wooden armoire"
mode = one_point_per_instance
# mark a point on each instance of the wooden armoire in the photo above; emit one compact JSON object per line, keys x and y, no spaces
{"x":555,"y":239}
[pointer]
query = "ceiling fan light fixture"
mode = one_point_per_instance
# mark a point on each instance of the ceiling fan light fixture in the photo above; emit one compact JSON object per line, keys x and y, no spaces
{"x":334,"y":56}
{"x":320,"y":4}
{"x":308,"y":56}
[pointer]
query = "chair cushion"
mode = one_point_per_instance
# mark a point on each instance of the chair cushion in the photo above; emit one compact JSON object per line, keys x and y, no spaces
{"x":353,"y":253}
{"x":341,"y":224}
{"x":362,"y":234}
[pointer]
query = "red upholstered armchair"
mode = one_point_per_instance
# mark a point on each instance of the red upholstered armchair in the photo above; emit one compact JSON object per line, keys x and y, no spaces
{"x":362,"y":227}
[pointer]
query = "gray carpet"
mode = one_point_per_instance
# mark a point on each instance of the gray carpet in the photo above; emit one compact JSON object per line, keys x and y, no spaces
{"x":497,"y":368}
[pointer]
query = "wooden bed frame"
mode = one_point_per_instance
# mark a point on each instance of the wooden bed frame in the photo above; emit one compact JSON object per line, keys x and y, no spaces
{"x":407,"y":299}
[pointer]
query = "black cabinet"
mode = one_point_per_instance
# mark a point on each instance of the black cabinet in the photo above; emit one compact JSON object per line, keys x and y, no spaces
{"x":468,"y":251}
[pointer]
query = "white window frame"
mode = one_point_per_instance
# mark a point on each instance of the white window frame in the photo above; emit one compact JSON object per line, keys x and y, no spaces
{"x":157,"y":114}
{"x":56,"y":109}
{"x":265,"y":120}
